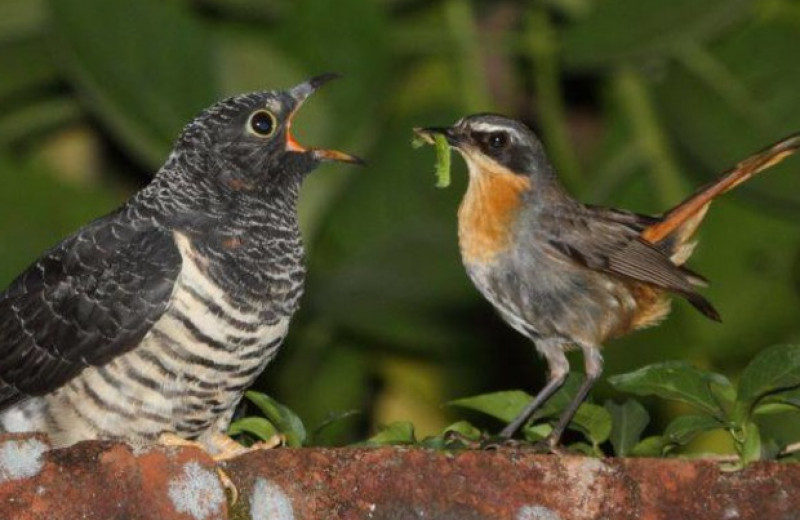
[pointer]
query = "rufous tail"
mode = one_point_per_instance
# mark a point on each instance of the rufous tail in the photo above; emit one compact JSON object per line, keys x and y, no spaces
{"x":686,"y":216}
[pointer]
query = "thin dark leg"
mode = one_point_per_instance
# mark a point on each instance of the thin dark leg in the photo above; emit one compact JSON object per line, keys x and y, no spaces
{"x":559,"y":368}
{"x":549,"y":389}
{"x":594,"y":368}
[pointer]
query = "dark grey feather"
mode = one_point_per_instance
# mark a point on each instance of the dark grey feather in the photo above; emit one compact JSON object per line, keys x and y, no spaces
{"x":608,"y":241}
{"x":89,"y":299}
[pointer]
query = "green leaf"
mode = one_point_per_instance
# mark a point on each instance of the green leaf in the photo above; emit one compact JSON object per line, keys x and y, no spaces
{"x":786,"y":398}
{"x":284,"y":420}
{"x":30,"y":119}
{"x":676,"y":380}
{"x":718,"y":90}
{"x":652,"y":446}
{"x":774,"y":408}
{"x":21,"y":18}
{"x":331,"y":419}
{"x":594,"y":421}
{"x":537,"y":432}
{"x":26,"y":66}
{"x":145,"y":67}
{"x":606,"y":36}
{"x":750,"y":447}
{"x":465,"y":429}
{"x":399,"y":432}
{"x":559,"y":401}
{"x":504,"y":405}
{"x":683,"y":429}
{"x":259,"y":427}
{"x":777,"y":368}
{"x":628,"y":421}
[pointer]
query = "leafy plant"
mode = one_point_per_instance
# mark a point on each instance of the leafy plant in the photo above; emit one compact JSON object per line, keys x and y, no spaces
{"x":278,"y":419}
{"x":767,"y":386}
{"x":770,"y":384}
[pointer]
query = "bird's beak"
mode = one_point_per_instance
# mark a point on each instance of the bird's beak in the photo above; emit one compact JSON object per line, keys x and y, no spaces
{"x":452,"y":135}
{"x":300,"y":93}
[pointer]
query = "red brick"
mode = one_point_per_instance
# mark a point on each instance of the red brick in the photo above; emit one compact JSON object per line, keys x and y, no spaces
{"x":108,"y":481}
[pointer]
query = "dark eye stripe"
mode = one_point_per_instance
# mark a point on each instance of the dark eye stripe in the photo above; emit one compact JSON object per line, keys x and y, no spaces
{"x":497,"y":140}
{"x":491,"y":141}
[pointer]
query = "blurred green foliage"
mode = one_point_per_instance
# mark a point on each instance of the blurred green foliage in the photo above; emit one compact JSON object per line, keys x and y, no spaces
{"x":638,"y":101}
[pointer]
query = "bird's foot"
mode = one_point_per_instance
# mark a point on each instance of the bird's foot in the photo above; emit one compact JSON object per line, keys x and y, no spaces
{"x":224,"y":448}
{"x":496,"y":443}
{"x":170,"y":439}
{"x":227,"y":449}
{"x":547,"y":445}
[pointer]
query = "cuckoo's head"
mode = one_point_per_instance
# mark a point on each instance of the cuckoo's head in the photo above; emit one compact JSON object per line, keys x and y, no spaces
{"x":246,"y":142}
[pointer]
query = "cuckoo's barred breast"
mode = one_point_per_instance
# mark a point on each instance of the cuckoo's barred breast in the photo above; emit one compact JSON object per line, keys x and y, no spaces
{"x":185,"y":377}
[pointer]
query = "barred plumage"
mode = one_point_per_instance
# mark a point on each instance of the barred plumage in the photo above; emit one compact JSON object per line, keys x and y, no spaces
{"x":155,"y":318}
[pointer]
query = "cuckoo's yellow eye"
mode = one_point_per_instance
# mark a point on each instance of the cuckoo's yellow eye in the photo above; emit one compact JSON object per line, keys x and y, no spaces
{"x":262,"y":123}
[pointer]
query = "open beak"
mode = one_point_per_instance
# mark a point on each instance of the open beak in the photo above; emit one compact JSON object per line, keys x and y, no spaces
{"x":449,"y":133}
{"x":300,"y":93}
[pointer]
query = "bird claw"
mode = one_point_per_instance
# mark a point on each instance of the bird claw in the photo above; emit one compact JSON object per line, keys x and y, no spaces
{"x":548,"y":445}
{"x":228,"y":486}
{"x":496,"y":443}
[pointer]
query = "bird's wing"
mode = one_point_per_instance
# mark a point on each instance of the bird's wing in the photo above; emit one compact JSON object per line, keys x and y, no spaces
{"x":609,"y":241}
{"x":89,"y":299}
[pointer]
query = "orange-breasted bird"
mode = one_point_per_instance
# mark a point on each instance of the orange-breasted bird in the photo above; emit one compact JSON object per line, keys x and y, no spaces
{"x":566,"y":274}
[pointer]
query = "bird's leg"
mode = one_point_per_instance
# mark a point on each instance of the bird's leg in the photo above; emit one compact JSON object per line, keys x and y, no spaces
{"x":593,"y":362}
{"x":559,"y":368}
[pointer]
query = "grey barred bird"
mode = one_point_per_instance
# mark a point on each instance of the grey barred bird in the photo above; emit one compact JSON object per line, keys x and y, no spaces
{"x":565,"y":274}
{"x":151,"y":321}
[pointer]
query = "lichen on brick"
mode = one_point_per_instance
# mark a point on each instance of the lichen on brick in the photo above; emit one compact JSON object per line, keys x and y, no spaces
{"x":536,"y":513}
{"x":21,"y":458}
{"x":269,"y":502}
{"x":197,"y":491}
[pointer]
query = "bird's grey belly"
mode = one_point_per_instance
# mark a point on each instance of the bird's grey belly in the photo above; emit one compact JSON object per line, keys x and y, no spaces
{"x":554,"y":301}
{"x":185,"y":377}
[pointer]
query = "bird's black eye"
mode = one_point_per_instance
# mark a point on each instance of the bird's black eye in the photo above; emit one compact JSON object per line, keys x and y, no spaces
{"x":261,"y":123}
{"x":497,"y":140}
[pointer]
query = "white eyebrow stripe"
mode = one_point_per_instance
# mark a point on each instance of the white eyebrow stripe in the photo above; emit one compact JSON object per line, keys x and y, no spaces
{"x":488,"y":127}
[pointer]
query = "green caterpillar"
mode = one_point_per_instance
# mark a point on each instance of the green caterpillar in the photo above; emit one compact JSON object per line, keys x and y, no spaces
{"x":442,"y":156}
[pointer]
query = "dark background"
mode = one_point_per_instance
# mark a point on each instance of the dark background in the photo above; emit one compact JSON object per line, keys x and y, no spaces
{"x":638,"y":102}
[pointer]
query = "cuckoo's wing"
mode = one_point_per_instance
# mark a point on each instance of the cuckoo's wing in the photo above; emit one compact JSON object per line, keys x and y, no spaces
{"x":609,"y":241}
{"x":89,"y":299}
